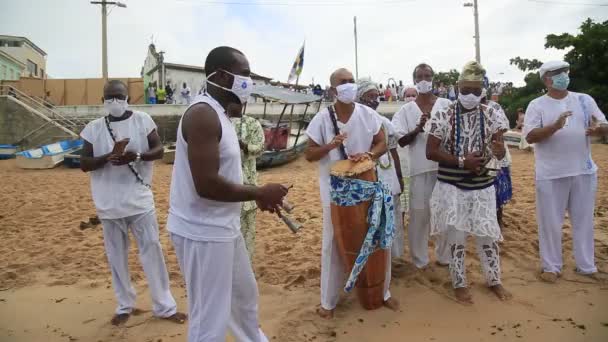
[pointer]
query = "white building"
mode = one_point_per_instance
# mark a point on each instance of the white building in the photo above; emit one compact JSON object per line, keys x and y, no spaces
{"x":24,"y":52}
{"x":159,"y":72}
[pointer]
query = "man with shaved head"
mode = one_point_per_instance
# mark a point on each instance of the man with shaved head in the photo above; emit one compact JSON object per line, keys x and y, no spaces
{"x":119,"y":152}
{"x":343,"y":130}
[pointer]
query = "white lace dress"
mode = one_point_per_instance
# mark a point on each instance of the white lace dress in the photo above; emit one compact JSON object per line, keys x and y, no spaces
{"x":471,"y":211}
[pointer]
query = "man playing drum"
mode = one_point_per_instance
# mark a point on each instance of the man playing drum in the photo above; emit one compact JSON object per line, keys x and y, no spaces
{"x":343,"y":130}
{"x":463,"y":138}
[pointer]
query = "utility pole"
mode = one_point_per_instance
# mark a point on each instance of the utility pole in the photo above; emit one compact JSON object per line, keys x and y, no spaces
{"x":356,"y":52}
{"x":476,"y":15}
{"x":104,"y":35}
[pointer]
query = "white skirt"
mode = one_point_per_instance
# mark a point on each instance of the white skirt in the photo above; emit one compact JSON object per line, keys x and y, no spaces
{"x":471,"y":211}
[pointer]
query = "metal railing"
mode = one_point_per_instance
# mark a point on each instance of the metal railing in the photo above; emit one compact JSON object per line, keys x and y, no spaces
{"x":42,"y":106}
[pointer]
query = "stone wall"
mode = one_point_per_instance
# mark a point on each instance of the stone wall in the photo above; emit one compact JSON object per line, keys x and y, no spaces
{"x":17,"y":120}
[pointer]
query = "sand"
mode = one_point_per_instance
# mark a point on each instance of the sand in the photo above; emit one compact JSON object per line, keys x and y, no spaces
{"x":55,"y":284}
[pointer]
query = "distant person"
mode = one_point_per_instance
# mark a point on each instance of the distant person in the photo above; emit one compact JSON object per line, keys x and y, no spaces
{"x":120,"y":187}
{"x":451,"y":93}
{"x":250,"y":134}
{"x":443,"y":92}
{"x":151,"y":94}
{"x":161,"y":95}
{"x":559,"y":124}
{"x":169,"y":92}
{"x":185,"y":94}
{"x":381,"y":97}
{"x":387,"y":93}
{"x":394,"y":92}
{"x":400,"y":91}
{"x":205,"y":206}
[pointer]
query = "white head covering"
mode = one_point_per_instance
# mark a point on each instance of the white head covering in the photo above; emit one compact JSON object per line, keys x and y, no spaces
{"x":407,"y":87}
{"x":365,"y":85}
{"x":552,"y":66}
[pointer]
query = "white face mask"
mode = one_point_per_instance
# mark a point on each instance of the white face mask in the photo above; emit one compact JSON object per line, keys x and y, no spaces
{"x":347,"y":92}
{"x":242,"y":86}
{"x":116,"y":107}
{"x":424,"y":86}
{"x":469,"y":101}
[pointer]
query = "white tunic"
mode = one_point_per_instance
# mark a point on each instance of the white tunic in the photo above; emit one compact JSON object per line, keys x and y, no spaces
{"x":192,"y":216}
{"x":566,"y":153}
{"x":361,"y":128}
{"x":387,"y":172}
{"x":115,"y":189}
{"x":405,"y":121}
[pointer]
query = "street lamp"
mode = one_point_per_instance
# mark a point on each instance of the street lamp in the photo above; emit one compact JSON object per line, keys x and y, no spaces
{"x":104,"y":34}
{"x":476,"y":14}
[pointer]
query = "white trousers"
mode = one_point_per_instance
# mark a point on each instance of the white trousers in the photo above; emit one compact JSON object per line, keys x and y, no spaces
{"x":489,"y":257}
{"x":419,"y":228}
{"x":398,"y":247}
{"x":333,"y":276}
{"x":553,"y":197}
{"x":222,"y":291}
{"x":144,"y":228}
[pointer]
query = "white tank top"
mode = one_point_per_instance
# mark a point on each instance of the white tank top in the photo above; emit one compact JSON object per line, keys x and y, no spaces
{"x":192,"y":216}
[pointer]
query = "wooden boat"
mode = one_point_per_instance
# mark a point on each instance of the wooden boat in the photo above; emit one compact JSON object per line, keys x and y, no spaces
{"x":7,"y":151}
{"x":47,"y":156}
{"x":512,"y":138}
{"x":283,"y":156}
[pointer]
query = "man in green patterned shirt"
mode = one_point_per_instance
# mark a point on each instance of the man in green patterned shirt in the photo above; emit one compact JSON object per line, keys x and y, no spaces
{"x":251,"y":139}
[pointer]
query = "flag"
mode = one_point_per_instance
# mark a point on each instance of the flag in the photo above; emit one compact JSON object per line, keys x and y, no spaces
{"x":298,"y":64}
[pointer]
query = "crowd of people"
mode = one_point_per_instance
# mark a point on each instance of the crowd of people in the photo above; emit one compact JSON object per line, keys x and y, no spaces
{"x":166,"y":95}
{"x":453,"y":179}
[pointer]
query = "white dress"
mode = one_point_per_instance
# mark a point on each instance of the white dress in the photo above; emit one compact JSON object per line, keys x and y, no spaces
{"x":470,"y":211}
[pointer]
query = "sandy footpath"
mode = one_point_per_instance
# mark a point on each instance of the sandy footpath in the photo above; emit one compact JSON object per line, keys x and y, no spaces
{"x":55,"y":284}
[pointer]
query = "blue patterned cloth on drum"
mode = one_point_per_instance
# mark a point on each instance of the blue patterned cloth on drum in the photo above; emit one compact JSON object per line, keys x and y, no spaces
{"x":504,"y":189}
{"x":348,"y":192}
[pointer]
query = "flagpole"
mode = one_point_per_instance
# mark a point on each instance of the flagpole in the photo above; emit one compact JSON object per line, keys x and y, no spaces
{"x":356,"y":53}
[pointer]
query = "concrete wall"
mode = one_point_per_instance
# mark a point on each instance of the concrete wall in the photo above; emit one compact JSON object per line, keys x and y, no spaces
{"x":17,"y":120}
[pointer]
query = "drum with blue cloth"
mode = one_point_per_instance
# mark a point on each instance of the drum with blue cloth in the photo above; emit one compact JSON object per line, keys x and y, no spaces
{"x":350,"y":218}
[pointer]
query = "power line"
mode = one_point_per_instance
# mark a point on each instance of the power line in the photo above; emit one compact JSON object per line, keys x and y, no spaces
{"x":295,"y":3}
{"x":569,"y":3}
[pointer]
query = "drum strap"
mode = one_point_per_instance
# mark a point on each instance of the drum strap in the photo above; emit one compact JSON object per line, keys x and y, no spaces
{"x":334,"y":121}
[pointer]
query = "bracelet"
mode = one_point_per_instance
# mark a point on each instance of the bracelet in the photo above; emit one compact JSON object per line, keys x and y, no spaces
{"x":370,"y":154}
{"x":461,"y":162}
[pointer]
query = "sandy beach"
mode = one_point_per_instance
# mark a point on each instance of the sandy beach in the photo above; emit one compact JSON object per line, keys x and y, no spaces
{"x":55,"y":284}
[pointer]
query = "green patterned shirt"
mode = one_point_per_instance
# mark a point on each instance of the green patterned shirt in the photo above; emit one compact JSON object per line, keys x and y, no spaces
{"x":249,"y":131}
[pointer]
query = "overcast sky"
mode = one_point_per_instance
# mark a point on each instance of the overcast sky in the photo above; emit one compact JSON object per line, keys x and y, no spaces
{"x":394,"y":35}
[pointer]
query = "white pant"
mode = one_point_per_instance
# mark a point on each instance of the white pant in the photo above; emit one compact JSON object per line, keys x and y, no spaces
{"x":222,"y":291}
{"x":398,"y":246}
{"x":332,"y":270}
{"x":419,"y":228}
{"x":489,"y":258}
{"x":553,"y":197}
{"x":116,"y":239}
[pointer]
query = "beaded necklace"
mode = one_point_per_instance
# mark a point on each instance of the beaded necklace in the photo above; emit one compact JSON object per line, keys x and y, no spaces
{"x":456,"y":131}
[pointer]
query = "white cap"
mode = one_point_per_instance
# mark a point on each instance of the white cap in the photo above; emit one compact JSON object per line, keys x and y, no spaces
{"x":552,"y":66}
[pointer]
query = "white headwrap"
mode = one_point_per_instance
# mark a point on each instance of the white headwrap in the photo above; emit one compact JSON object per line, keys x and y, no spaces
{"x":365,"y":85}
{"x":407,"y":87}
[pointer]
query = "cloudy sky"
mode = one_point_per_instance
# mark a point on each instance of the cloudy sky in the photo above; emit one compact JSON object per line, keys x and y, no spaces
{"x":394,"y":35}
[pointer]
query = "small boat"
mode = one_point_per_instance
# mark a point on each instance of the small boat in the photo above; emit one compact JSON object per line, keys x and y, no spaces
{"x":512,"y":138}
{"x":72,"y":159}
{"x":47,"y":156}
{"x":7,"y":151}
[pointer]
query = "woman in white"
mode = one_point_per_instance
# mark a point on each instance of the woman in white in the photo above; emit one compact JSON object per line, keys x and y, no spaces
{"x":409,"y":122}
{"x":409,"y":94}
{"x":389,"y":169}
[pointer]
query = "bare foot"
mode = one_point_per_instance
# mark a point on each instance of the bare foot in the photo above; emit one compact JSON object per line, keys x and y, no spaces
{"x":500,"y":292}
{"x":323,"y":313}
{"x":548,"y":277}
{"x":178,"y":317}
{"x":392,"y":304}
{"x":120,"y":319}
{"x":463,"y":295}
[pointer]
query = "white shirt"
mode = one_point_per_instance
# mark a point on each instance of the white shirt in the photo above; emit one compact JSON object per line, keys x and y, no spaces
{"x":389,"y":175}
{"x":566,"y":153}
{"x":115,"y":190}
{"x":361,"y":128}
{"x":192,"y":216}
{"x":405,"y":121}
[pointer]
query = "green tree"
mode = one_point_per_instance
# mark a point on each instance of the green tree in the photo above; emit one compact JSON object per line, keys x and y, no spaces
{"x":447,"y":78}
{"x":588,"y":58}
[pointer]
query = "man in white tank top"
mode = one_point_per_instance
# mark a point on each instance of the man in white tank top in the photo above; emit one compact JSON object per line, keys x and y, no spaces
{"x":120,"y":187}
{"x":204,"y":215}
{"x":361,"y":135}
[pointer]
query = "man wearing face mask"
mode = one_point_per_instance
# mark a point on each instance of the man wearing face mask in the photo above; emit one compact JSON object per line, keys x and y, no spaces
{"x":389,"y":168}
{"x":409,"y":123}
{"x":120,"y":186}
{"x":462,"y":138}
{"x":205,"y":205}
{"x":345,"y":129}
{"x":560,"y":124}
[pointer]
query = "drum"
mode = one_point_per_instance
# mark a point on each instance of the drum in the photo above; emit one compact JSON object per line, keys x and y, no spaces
{"x":350,"y":228}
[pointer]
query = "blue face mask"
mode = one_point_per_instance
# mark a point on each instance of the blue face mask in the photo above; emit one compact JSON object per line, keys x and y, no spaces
{"x":561,"y":81}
